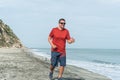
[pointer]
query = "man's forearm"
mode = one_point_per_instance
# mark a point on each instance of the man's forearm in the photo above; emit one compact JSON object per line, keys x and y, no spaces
{"x":51,"y":43}
{"x":71,"y":40}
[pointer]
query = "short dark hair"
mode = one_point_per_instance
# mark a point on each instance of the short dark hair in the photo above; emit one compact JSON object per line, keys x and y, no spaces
{"x":61,"y":19}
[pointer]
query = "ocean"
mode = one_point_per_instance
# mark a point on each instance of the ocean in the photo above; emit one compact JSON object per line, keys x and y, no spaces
{"x":102,"y":61}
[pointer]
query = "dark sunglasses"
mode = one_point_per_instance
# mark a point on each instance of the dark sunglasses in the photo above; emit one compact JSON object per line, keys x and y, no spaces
{"x":62,"y":23}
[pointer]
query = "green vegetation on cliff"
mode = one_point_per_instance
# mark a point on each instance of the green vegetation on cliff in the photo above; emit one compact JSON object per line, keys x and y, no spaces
{"x":7,"y":37}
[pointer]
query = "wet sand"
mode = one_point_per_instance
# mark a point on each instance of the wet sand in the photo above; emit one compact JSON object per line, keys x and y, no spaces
{"x":21,"y":64}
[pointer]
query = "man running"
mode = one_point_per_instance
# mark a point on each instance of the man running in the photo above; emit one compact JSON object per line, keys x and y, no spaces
{"x":57,"y":39}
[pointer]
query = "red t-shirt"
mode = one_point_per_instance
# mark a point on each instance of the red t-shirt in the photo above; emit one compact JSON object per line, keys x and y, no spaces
{"x":59,"y":39}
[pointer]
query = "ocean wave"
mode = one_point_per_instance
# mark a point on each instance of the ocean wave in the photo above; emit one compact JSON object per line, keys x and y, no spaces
{"x":103,"y":62}
{"x":108,"y":69}
{"x":44,"y":55}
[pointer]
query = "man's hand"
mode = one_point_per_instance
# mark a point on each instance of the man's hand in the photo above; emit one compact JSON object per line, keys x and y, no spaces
{"x":54,"y":46}
{"x":72,"y":40}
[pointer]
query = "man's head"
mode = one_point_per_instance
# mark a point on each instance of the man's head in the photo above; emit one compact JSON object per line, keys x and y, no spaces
{"x":62,"y":23}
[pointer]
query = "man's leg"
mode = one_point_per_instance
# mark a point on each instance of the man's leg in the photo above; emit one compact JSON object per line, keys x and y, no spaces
{"x":54,"y":62}
{"x":61,"y":70}
{"x":51,"y":72}
{"x":62,"y":66}
{"x":51,"y":68}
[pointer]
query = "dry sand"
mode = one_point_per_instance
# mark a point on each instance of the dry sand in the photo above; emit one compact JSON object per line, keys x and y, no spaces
{"x":20,"y":64}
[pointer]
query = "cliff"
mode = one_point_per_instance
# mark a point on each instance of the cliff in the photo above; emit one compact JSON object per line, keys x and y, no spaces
{"x":7,"y":37}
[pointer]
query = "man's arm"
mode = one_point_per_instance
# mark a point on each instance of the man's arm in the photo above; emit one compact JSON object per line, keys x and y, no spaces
{"x":71,"y":40}
{"x":50,"y":41}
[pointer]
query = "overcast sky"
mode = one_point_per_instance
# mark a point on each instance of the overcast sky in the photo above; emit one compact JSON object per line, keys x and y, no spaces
{"x":93,"y":23}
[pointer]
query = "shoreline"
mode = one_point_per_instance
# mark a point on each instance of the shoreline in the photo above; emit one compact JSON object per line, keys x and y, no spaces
{"x":22,"y":64}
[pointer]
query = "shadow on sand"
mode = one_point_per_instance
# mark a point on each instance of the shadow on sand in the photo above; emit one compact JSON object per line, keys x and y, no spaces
{"x":69,"y":79}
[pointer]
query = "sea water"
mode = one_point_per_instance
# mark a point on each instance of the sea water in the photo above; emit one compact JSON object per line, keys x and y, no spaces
{"x":102,"y":61}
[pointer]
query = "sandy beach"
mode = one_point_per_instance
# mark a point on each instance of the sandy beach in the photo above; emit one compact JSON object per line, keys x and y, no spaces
{"x":21,"y":64}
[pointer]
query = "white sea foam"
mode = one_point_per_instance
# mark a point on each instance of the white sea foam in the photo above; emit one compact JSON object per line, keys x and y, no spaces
{"x":41,"y":55}
{"x":110,"y":70}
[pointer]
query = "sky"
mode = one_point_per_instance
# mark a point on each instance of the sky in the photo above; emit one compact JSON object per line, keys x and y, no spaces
{"x":93,"y":23}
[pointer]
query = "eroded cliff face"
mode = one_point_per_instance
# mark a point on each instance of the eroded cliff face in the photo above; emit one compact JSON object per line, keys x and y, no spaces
{"x":7,"y":37}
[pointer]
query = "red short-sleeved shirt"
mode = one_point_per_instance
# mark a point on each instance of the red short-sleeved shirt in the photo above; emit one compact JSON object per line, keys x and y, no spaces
{"x":59,"y":39}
